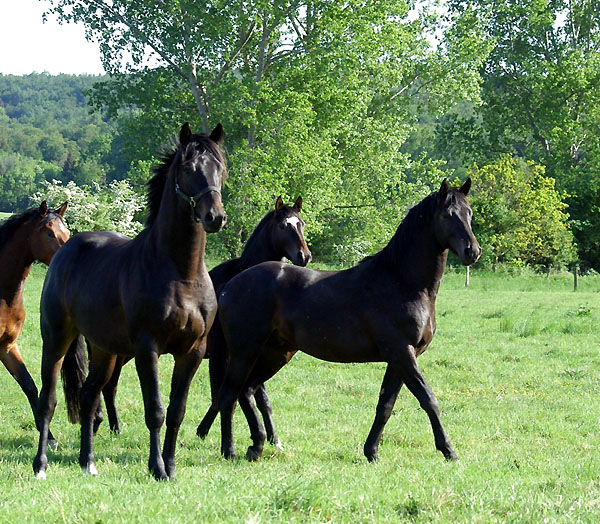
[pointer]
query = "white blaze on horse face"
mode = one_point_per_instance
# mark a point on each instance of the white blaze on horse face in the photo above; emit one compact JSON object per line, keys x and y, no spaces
{"x":63,"y":229}
{"x":293,"y":221}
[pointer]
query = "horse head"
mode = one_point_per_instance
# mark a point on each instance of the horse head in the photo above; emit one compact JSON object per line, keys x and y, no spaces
{"x":50,"y":233}
{"x":288,"y":232}
{"x":452,"y":222}
{"x":200,"y":175}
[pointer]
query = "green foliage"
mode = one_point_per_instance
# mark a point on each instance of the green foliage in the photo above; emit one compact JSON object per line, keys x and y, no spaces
{"x":541,"y":100}
{"x":313,"y":97}
{"x":114,"y":207}
{"x":519,"y":217}
{"x":47,"y":132}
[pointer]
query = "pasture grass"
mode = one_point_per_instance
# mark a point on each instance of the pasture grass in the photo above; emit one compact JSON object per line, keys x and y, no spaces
{"x":515,"y":365}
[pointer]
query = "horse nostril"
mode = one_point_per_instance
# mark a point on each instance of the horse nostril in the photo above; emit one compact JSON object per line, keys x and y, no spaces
{"x":209,"y":217}
{"x":469,"y":251}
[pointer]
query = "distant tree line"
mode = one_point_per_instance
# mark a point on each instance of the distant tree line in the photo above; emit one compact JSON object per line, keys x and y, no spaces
{"x":361,"y":108}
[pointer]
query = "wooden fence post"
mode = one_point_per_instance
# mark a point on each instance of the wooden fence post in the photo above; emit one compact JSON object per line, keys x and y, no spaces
{"x":468,"y":278}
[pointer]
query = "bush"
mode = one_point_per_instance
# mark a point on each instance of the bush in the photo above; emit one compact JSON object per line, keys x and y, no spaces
{"x":114,"y":207}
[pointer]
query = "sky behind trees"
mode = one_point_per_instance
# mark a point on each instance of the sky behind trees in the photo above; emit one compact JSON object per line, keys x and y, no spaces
{"x":30,"y":45}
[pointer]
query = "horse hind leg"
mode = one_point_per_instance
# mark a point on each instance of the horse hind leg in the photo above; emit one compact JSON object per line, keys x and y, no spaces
{"x":388,"y":393}
{"x":264,"y":406}
{"x":55,"y":346}
{"x":109,"y":392}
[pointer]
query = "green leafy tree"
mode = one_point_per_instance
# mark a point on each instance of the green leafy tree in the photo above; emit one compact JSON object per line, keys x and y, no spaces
{"x":520,"y":217}
{"x":313,"y":96}
{"x":541,"y":99}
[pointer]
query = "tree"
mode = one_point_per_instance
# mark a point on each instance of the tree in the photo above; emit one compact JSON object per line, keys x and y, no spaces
{"x":519,"y":216}
{"x":541,"y":95}
{"x":313,"y":96}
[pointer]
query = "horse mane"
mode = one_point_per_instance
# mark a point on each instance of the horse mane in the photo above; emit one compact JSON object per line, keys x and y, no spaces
{"x":10,"y":225}
{"x":258,"y":230}
{"x":412,"y":225}
{"x":156,"y":185}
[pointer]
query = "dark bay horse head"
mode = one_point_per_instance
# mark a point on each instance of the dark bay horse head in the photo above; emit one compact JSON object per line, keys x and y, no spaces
{"x":452,"y":223}
{"x":44,"y":229}
{"x":288,"y":232}
{"x":198,"y":168}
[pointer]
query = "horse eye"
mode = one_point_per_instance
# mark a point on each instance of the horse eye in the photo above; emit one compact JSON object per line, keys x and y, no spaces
{"x":51,"y":234}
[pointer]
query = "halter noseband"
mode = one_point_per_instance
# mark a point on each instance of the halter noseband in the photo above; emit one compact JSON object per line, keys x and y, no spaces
{"x":193,"y":200}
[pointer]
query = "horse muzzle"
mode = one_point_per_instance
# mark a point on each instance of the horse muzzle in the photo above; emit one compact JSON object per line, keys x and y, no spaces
{"x":470,"y":254}
{"x":302,"y":258}
{"x":213,"y":222}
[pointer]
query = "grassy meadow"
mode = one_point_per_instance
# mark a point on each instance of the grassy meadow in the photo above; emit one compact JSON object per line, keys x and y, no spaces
{"x":515,"y":365}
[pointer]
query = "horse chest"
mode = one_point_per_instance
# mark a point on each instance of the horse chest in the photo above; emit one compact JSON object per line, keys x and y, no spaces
{"x":12,"y":319}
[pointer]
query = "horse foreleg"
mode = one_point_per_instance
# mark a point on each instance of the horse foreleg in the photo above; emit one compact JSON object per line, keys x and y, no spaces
{"x":264,"y":406}
{"x":417,"y":385}
{"x":13,"y":361}
{"x":101,"y":367}
{"x":183,"y":372}
{"x":146,"y":363}
{"x":387,"y":398}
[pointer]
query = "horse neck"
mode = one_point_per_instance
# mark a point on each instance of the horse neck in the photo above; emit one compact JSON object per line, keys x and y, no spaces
{"x":176,"y":235}
{"x":16,"y":260}
{"x":259,"y":248}
{"x":419,"y":261}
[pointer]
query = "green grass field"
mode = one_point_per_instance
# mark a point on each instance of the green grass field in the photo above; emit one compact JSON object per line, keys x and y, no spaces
{"x":515,"y":365}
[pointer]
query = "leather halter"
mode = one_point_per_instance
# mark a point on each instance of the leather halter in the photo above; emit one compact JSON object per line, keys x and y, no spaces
{"x":193,"y":200}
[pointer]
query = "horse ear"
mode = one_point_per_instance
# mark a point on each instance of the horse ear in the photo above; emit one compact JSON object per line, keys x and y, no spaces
{"x":443,"y":190}
{"x":464,"y":189}
{"x":217,"y":134}
{"x":43,"y":209}
{"x":278,"y":203}
{"x":185,"y":135}
{"x":61,"y":210}
{"x":298,"y":204}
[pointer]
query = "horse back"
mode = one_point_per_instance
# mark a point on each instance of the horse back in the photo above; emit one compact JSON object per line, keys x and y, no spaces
{"x":340,"y":316}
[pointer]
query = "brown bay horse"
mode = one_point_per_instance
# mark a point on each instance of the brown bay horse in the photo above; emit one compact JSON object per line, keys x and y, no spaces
{"x":34,"y":235}
{"x":139,"y":298}
{"x":382,"y":310}
{"x":278,"y":235}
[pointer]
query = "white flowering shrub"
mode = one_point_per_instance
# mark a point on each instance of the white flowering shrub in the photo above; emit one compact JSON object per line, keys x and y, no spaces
{"x":96,"y":208}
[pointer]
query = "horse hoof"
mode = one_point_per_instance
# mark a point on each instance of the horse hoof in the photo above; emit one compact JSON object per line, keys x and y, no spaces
{"x":201,"y":432}
{"x":40,"y":475}
{"x":53,"y":445}
{"x":90,"y":470}
{"x":253,"y":455}
{"x":229,"y":455}
{"x":372,"y":457}
{"x":451,"y":457}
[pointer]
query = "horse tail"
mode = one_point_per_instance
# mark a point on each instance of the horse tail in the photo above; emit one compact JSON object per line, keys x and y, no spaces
{"x":217,"y":362}
{"x":73,"y":373}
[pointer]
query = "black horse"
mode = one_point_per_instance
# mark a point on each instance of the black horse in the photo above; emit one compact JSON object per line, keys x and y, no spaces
{"x":383,"y":309}
{"x":138,"y":297}
{"x":279,"y":234}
